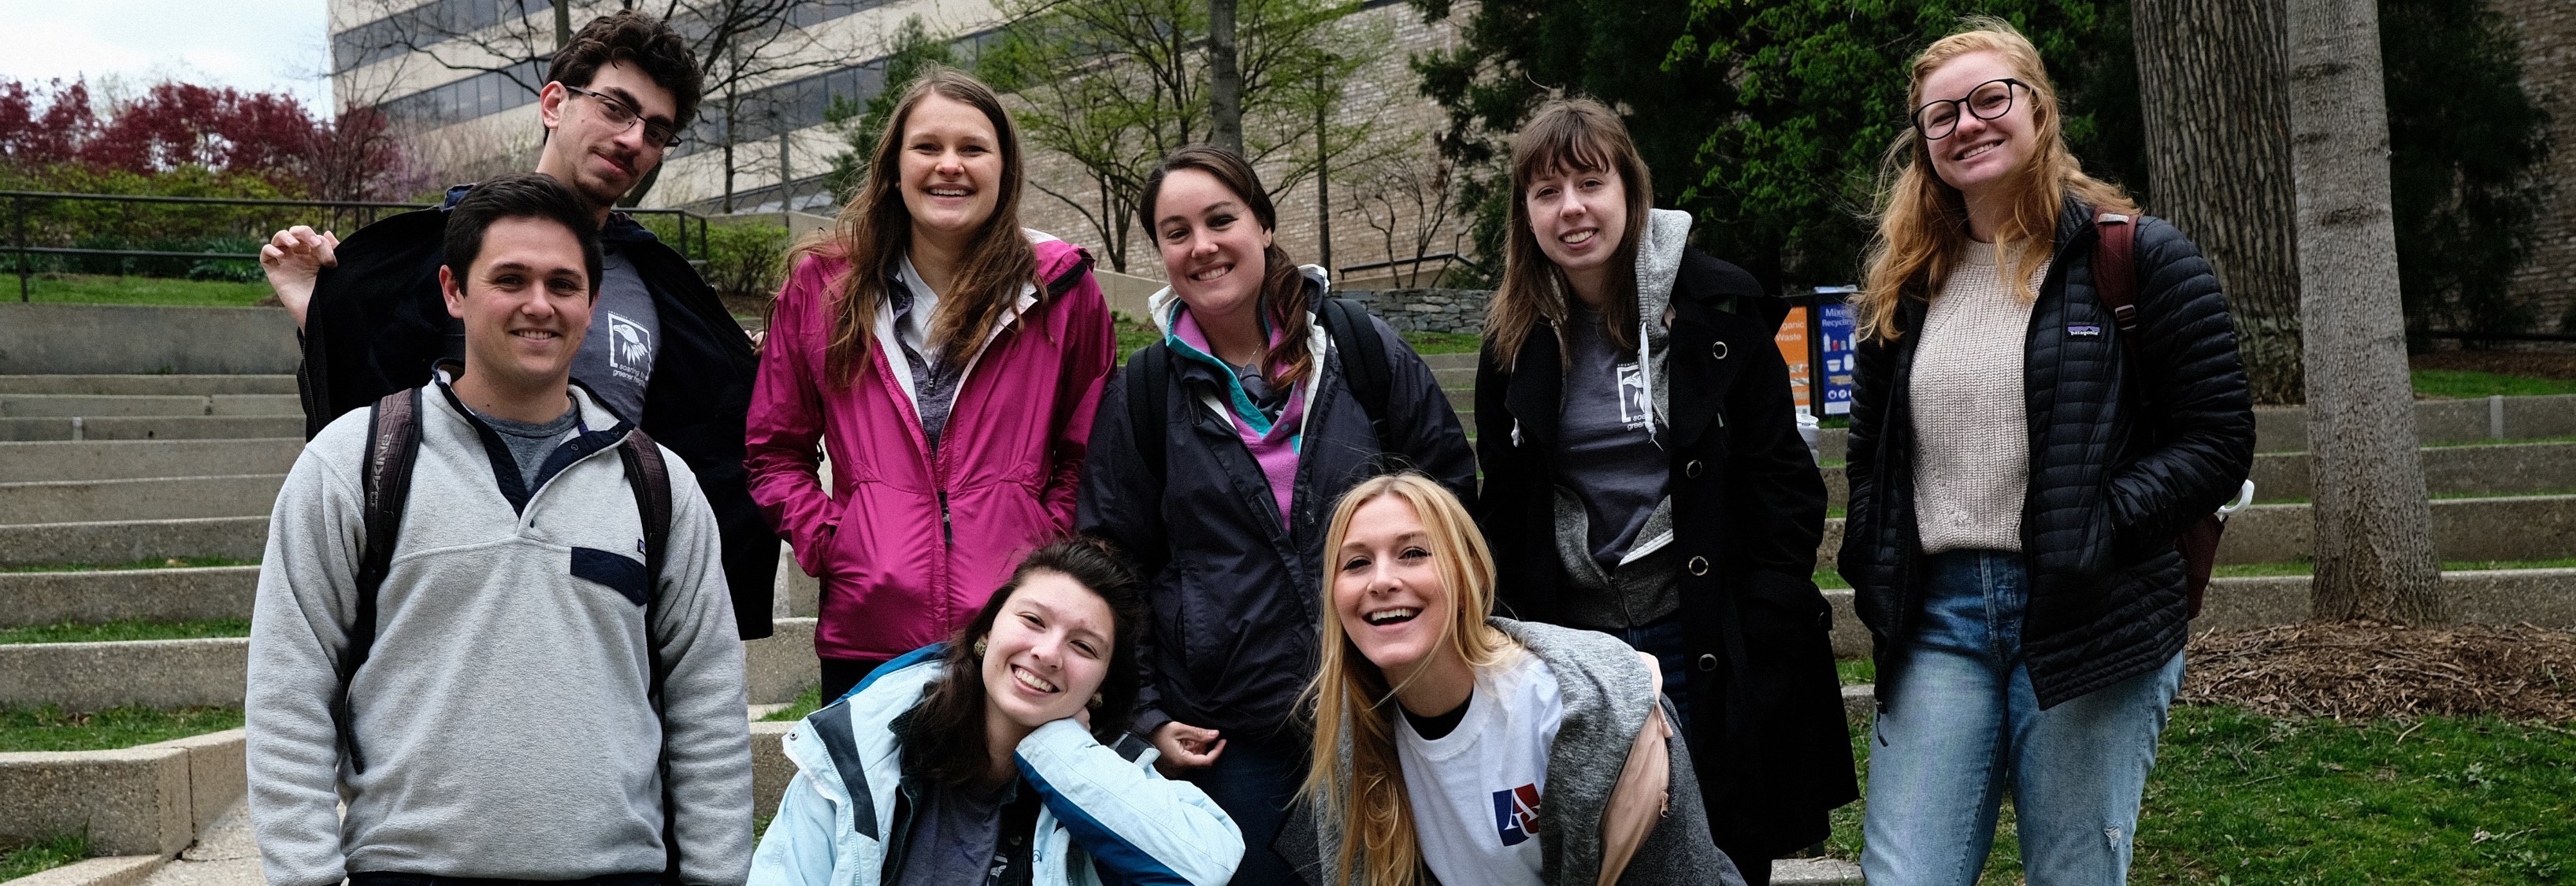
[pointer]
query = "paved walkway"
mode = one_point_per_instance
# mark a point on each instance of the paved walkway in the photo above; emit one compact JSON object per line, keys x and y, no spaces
{"x":225,"y":855}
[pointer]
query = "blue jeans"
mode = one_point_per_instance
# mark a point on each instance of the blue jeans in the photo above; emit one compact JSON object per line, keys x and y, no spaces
{"x":1962,"y":726}
{"x":1665,"y":639}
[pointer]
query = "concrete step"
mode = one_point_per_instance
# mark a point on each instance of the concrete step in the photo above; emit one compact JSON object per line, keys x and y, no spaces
{"x":104,"y":595}
{"x":183,"y":673}
{"x":150,"y":800}
{"x":133,"y":459}
{"x":157,"y":498}
{"x":104,"y":870}
{"x":123,"y":405}
{"x":199,"y":385}
{"x":2483,"y":469}
{"x":182,"y":427}
{"x":1457,"y":382}
{"x":1814,"y":872}
{"x":2545,"y":597}
{"x":2536,"y":527}
{"x":2491,"y":469}
{"x":2285,"y":428}
{"x":1466,"y":361}
{"x":126,"y":541}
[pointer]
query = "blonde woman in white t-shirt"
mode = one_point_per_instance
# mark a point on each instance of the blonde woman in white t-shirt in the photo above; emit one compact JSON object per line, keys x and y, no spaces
{"x":1456,"y":747}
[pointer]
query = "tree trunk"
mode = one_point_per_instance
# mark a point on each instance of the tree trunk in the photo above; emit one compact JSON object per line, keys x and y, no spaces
{"x":563,"y":25}
{"x":1225,"y":79}
{"x":2213,"y":86}
{"x":2374,"y":544}
{"x":1323,"y":193}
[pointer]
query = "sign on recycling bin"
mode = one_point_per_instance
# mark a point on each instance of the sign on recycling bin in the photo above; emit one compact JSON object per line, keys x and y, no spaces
{"x":1816,"y":341}
{"x":1834,"y":341}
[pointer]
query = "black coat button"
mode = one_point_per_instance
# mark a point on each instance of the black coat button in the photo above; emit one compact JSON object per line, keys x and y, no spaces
{"x":1699,"y":565}
{"x":1708,"y":662}
{"x":1693,"y":469}
{"x":1717,"y":350}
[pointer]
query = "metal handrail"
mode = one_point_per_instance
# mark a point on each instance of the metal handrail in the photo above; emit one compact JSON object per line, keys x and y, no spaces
{"x":19,"y":247}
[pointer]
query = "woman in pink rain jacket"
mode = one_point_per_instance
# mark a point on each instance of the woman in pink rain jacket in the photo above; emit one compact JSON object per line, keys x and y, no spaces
{"x":948,"y":363}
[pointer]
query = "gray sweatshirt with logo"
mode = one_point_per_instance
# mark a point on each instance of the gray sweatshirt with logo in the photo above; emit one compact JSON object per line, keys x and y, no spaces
{"x":502,"y":711}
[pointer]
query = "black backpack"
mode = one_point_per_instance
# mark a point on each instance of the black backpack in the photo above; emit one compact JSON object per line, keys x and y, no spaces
{"x":1364,"y":370}
{"x":393,"y":446}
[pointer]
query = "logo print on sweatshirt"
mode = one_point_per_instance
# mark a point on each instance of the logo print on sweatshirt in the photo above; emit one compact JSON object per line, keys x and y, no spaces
{"x":1516,"y":813}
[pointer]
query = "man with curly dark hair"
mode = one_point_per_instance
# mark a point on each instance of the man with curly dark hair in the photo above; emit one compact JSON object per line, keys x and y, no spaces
{"x":661,"y":351}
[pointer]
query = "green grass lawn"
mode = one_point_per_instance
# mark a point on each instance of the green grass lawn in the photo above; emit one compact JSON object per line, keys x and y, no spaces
{"x":2461,"y":383}
{"x":23,"y":859}
{"x":2241,"y":798}
{"x":48,"y":728}
{"x":158,"y":563}
{"x":1443,"y":342}
{"x":104,"y":289}
{"x":806,"y":703}
{"x":68,"y":632}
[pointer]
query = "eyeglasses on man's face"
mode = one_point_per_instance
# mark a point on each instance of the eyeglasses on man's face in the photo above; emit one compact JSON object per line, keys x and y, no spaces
{"x":657,"y":132}
{"x":1937,"y":118}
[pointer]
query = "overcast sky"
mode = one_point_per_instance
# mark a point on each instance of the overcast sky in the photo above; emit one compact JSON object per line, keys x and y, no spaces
{"x":253,"y":45}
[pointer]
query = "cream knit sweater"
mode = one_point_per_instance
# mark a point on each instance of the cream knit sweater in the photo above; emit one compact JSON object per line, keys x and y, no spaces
{"x":1971,"y":434}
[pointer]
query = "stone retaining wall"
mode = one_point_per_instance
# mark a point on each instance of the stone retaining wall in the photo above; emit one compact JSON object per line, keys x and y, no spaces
{"x":1426,"y":310}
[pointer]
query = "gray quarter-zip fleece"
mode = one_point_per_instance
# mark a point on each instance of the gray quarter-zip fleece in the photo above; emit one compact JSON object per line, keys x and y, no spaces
{"x":502,"y":710}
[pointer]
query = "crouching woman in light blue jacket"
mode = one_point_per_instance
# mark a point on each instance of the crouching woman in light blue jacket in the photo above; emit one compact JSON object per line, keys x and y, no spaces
{"x":999,"y":757}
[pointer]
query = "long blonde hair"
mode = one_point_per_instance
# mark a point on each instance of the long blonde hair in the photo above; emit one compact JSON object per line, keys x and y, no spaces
{"x":1350,"y":692}
{"x":1574,"y":135}
{"x":1923,"y":221}
{"x":874,"y":231}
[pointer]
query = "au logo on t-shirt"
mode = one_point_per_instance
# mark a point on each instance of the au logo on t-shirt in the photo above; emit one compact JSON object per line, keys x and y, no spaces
{"x":1516,"y":813}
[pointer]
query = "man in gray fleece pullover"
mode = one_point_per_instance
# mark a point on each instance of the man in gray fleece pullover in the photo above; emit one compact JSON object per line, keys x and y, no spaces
{"x":501,"y":720}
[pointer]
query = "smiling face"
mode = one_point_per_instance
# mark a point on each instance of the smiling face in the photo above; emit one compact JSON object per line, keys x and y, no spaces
{"x":1388,"y":592}
{"x":949,"y":168}
{"x":1980,"y":153}
{"x":1048,"y":651}
{"x":1579,"y":217}
{"x":1212,"y":245}
{"x":600,"y":159}
{"x":525,"y":301}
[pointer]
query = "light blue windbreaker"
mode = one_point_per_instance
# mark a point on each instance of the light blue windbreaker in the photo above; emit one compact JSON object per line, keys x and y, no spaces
{"x":1107,"y":816}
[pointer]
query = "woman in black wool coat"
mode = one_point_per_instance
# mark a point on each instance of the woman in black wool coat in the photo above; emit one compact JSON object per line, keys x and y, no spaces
{"x":1644,"y":477}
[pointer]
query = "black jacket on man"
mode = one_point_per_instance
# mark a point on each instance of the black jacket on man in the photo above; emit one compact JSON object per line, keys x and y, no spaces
{"x":1748,"y":508}
{"x":1236,"y":594}
{"x":2123,"y":456}
{"x":378,"y":321}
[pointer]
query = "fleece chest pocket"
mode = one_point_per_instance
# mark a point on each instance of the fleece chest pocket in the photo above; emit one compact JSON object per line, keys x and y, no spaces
{"x":618,"y":572}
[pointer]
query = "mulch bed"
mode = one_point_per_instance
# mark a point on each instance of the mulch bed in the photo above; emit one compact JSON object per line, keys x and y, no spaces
{"x":2362,"y":671}
{"x":2534,"y":364}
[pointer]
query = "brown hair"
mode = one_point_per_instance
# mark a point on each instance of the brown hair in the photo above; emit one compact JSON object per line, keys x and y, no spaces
{"x":632,"y":37}
{"x":1923,"y":221}
{"x":1577,"y":135}
{"x":875,"y":229}
{"x":942,"y":737}
{"x":1283,"y":289}
{"x":1351,"y":693}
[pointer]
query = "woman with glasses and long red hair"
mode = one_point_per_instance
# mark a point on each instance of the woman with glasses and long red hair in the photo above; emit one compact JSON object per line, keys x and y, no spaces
{"x":2022,"y":458}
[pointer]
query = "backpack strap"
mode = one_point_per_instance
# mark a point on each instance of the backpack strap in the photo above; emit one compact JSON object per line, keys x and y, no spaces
{"x":650,"y":478}
{"x":1149,"y":372}
{"x":393,"y":446}
{"x":1347,"y":325}
{"x":2115,"y":271}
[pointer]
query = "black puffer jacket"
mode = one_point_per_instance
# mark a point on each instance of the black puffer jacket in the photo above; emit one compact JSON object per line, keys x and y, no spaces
{"x":2121,"y":461}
